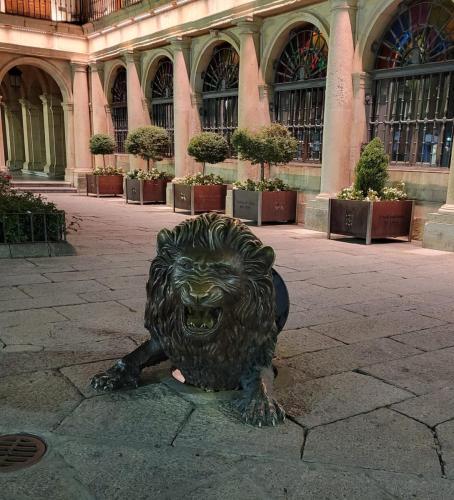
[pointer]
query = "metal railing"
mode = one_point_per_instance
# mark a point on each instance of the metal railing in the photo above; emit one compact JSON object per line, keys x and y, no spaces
{"x":101,"y":8}
{"x":37,"y":227}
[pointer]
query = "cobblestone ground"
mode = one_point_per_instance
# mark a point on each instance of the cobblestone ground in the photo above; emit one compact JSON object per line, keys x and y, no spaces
{"x":365,"y":372}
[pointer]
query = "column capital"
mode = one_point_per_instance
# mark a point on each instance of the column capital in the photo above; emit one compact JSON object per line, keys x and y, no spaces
{"x":67,"y":106}
{"x":180,"y":43}
{"x":343,"y":5}
{"x":96,"y":66}
{"x":130,"y":56}
{"x":24,"y":102}
{"x":249,"y":25}
{"x":79,"y":66}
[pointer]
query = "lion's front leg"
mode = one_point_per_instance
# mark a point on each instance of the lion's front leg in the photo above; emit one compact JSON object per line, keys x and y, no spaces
{"x":256,"y":405}
{"x":125,"y":373}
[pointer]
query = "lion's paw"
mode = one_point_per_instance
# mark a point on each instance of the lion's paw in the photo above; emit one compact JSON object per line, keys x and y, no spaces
{"x":114,"y":378}
{"x":260,"y":411}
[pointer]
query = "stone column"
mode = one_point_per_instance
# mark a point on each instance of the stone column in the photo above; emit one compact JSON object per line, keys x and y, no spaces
{"x":439,"y":227}
{"x":68,"y":116}
{"x":337,"y":127}
{"x":98,"y":100}
{"x":15,"y":151}
{"x":362,"y":83}
{"x":186,"y":116}
{"x":48,"y":136}
{"x":26,"y":123}
{"x":81,"y":117}
{"x":2,"y":145}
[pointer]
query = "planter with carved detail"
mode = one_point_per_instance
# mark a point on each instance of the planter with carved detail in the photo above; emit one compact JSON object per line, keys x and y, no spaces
{"x":104,"y":185}
{"x":265,"y":206}
{"x":370,"y":220}
{"x":199,"y":198}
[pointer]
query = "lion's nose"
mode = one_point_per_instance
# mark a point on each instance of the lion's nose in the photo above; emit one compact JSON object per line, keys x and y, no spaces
{"x":199,"y":296}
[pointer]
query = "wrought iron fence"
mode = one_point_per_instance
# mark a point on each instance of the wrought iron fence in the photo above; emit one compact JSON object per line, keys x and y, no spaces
{"x":68,"y":11}
{"x":37,"y":227}
{"x":101,"y":8}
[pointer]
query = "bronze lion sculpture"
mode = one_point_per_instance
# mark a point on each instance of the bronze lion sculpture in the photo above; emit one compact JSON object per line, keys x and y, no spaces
{"x":214,"y":308}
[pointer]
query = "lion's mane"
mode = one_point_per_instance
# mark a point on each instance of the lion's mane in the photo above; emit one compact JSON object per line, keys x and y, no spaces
{"x":248,"y":331}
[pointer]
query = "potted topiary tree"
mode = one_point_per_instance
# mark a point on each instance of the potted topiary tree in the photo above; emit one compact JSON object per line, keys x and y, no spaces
{"x":104,"y":180}
{"x":149,"y":143}
{"x":269,"y":200}
{"x":369,"y":209}
{"x":203,"y":192}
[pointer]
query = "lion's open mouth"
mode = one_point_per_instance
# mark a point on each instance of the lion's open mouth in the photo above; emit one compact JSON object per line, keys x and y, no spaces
{"x":201,"y":321}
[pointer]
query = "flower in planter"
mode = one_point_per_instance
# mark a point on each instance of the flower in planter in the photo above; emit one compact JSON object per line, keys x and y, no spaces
{"x":208,"y":147}
{"x":272,"y":145}
{"x":149,"y":143}
{"x":151,"y":175}
{"x":199,"y":179}
{"x":371,"y":175}
{"x":107,"y":171}
{"x":264,"y":185}
{"x":102,"y":144}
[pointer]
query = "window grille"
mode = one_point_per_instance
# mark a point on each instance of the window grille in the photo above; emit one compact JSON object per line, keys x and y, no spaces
{"x":119,"y":109}
{"x":299,"y":90}
{"x":413,"y":104}
{"x":161,"y":111}
{"x":220,"y":92}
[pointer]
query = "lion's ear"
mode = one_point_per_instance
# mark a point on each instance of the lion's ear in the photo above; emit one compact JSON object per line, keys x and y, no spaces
{"x":164,"y":238}
{"x":267,"y":256}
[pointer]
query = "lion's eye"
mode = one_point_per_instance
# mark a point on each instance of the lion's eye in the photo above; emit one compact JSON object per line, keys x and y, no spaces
{"x":186,"y":264}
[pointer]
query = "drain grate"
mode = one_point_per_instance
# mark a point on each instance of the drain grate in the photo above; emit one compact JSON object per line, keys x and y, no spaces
{"x":18,"y":451}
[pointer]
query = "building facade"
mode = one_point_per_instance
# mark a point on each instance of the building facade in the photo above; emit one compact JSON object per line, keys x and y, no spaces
{"x":336,"y":73}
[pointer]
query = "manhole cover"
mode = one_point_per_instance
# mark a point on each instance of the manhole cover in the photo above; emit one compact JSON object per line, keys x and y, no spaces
{"x":18,"y":451}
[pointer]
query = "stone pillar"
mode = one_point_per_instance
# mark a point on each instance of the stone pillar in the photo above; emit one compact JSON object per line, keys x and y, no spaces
{"x":27,"y":125}
{"x":362,"y":84}
{"x":337,"y":127}
{"x":68,"y":116}
{"x":14,"y":139}
{"x":98,"y":100}
{"x":185,"y":105}
{"x":439,"y":227}
{"x":48,"y":136}
{"x":81,"y":117}
{"x":2,"y":145}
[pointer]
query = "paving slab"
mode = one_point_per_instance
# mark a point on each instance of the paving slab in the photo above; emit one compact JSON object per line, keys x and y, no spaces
{"x":350,"y":357}
{"x":202,"y":431}
{"x":431,"y":409}
{"x":73,"y":287}
{"x":430,"y":339}
{"x":22,"y":304}
{"x":421,"y":374}
{"x":37,"y":400}
{"x":293,"y":342}
{"x":12,"y":293}
{"x":336,"y":397}
{"x":316,"y":316}
{"x":383,"y":325}
{"x":150,"y":415}
{"x":445,"y":433}
{"x":381,"y":439}
{"x":30,"y":317}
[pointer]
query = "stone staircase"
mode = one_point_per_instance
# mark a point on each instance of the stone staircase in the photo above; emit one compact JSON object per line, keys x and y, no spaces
{"x":39,"y":186}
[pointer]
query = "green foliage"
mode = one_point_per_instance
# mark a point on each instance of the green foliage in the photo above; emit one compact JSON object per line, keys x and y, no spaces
{"x":102,"y":144}
{"x":200,"y":180}
{"x":151,"y":175}
{"x":264,"y":185}
{"x":19,"y":212}
{"x":107,"y":171}
{"x":350,"y":193}
{"x":208,"y":147}
{"x":5,"y":182}
{"x":149,"y":143}
{"x":372,"y":169}
{"x":272,"y":144}
{"x":396,"y":192}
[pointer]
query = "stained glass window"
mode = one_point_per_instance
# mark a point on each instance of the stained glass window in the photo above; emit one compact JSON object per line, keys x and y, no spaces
{"x":299,"y":90}
{"x":220,"y":92}
{"x":413,"y":105}
{"x":119,"y":110}
{"x":161,"y":110}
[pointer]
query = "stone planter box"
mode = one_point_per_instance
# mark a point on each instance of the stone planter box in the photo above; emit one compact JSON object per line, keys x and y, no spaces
{"x":370,"y":220}
{"x":140,"y":191}
{"x":104,"y":185}
{"x":265,"y":206}
{"x":198,"y":199}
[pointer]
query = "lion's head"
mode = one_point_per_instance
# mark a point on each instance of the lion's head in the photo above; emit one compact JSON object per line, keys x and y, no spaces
{"x":210,"y":292}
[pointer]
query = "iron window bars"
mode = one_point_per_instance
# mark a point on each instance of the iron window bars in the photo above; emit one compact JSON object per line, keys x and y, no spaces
{"x":161,"y":111}
{"x":413,"y":105}
{"x":220,"y":92}
{"x":119,"y":110}
{"x":299,"y":90}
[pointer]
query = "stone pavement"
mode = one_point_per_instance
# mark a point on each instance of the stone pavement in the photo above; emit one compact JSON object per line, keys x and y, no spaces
{"x":365,"y":372}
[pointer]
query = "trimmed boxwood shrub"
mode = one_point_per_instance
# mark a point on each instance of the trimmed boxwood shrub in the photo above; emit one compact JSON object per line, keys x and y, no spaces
{"x":208,"y":147}
{"x":149,"y":143}
{"x":372,"y":169}
{"x":102,"y":144}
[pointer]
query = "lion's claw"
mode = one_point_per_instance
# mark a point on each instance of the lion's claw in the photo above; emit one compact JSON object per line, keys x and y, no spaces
{"x":260,"y":411}
{"x":114,"y":378}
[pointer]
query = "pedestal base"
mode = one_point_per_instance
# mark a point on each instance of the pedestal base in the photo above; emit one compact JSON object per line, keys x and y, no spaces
{"x":439,"y":232}
{"x":316,"y":215}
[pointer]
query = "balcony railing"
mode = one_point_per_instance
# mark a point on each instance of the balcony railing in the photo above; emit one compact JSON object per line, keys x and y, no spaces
{"x":68,"y":11}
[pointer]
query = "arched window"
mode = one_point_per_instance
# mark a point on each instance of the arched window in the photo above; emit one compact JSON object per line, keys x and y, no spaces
{"x":161,"y":111}
{"x":299,"y":90}
{"x":220,"y":92}
{"x":119,"y":109}
{"x":413,"y":97}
